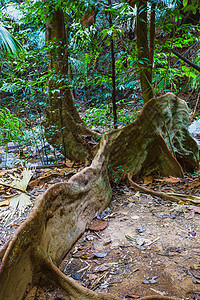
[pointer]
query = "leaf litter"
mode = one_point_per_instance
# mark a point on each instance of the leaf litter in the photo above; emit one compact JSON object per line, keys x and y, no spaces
{"x":150,"y":243}
{"x":114,"y":255}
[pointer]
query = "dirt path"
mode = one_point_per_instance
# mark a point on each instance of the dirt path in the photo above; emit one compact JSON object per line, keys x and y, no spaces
{"x":164,"y":259}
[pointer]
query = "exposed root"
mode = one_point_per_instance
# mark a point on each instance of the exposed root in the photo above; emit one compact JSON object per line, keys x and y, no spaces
{"x":176,"y":198}
{"x":75,"y":290}
{"x":64,"y":210}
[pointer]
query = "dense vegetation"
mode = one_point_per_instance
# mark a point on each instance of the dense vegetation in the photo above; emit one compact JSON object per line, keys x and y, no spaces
{"x":100,"y":35}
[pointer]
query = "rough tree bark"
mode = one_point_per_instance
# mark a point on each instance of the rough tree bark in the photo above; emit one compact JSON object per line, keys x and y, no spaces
{"x":64,"y":127}
{"x":114,"y":106}
{"x":65,"y":210}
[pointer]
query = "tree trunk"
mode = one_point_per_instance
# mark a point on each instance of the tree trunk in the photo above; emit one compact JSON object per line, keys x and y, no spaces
{"x":152,"y":36}
{"x":145,"y":70}
{"x":64,"y":128}
{"x":65,"y":209}
{"x":113,"y":71}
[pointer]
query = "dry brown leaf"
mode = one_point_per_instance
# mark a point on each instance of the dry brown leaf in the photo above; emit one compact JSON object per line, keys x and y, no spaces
{"x":148,"y":179}
{"x":193,"y":184}
{"x":195,"y":273}
{"x":69,"y":164}
{"x":9,"y":196}
{"x":100,"y":268}
{"x":36,"y":293}
{"x":131,"y":200}
{"x":2,"y":173}
{"x":47,"y":177}
{"x":4,"y":203}
{"x":169,"y":179}
{"x":41,"y":180}
{"x":98,"y":225}
{"x":133,"y":296}
{"x":91,"y":276}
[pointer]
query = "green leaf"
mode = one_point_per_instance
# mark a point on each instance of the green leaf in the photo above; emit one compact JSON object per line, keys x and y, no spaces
{"x":190,"y":7}
{"x":8,"y":43}
{"x":185,"y":3}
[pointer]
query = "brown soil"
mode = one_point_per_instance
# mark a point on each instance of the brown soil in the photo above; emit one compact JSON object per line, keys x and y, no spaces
{"x":170,"y":252}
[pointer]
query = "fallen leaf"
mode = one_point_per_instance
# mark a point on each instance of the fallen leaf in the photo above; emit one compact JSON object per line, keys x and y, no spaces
{"x":190,"y":215}
{"x":69,"y":163}
{"x":181,"y":202}
{"x":140,"y":229}
{"x":193,"y":184}
{"x":131,"y":200}
{"x":175,"y":249}
{"x":2,"y":173}
{"x":18,"y":205}
{"x":101,"y":254}
{"x":4,"y":203}
{"x":135,"y":217}
{"x":159,"y":216}
{"x":100,"y":268}
{"x":92,"y":276}
{"x":98,"y":224}
{"x":150,"y":280}
{"x":9,"y":196}
{"x":141,"y":241}
{"x":18,"y":181}
{"x":132,"y":296}
{"x":169,"y":179}
{"x":148,"y":179}
{"x":76,"y":276}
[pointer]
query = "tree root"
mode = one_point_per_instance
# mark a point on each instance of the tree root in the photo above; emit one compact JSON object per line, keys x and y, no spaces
{"x":176,"y":198}
{"x":64,"y":210}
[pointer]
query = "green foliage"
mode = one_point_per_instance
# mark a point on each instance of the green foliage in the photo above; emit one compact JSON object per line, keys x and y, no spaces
{"x":8,"y":43}
{"x":11,"y":128}
{"x":193,"y":75}
{"x":168,"y":70}
{"x":102,"y":116}
{"x":24,"y":79}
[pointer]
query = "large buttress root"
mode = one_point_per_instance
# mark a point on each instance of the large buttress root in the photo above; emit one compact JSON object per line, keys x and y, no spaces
{"x":59,"y":219}
{"x":65,"y":210}
{"x":157,"y":142}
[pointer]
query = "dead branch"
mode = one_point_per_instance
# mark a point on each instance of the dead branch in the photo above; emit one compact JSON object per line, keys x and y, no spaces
{"x":186,"y":60}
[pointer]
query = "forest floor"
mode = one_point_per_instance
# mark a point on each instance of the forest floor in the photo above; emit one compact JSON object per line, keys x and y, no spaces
{"x":148,"y":246}
{"x":140,"y":245}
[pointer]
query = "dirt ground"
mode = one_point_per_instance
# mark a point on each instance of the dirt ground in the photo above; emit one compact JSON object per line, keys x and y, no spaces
{"x":164,"y":259}
{"x":140,"y":245}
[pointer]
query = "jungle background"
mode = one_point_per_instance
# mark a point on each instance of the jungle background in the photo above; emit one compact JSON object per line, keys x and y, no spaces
{"x":25,"y":77}
{"x":73,"y":72}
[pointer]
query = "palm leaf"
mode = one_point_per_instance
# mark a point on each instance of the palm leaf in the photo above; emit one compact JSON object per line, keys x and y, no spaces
{"x":8,"y":43}
{"x":2,"y":3}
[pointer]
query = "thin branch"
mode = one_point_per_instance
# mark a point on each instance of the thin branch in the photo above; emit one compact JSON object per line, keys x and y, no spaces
{"x":186,"y":60}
